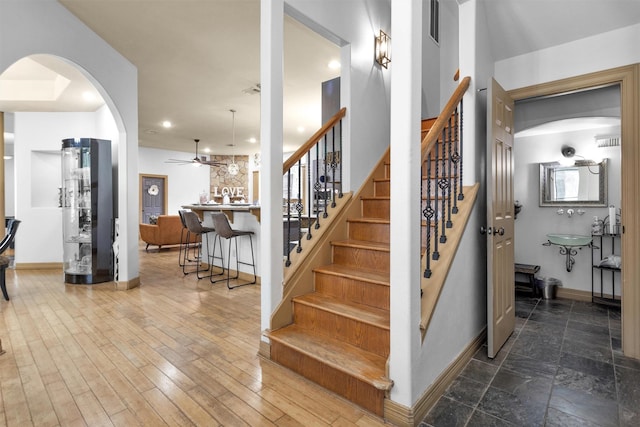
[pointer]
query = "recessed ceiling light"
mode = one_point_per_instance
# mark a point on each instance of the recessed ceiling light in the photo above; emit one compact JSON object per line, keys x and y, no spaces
{"x":300,"y":129}
{"x":8,"y":157}
{"x":253,"y":140}
{"x":207,"y":150}
{"x":334,"y":64}
{"x":166,"y":124}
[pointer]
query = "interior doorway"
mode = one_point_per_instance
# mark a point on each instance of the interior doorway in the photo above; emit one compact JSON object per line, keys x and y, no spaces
{"x":153,"y":197}
{"x":627,"y":78}
{"x":562,"y":141}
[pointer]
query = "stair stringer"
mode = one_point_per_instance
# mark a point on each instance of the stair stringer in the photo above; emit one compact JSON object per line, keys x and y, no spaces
{"x":301,"y":281}
{"x":432,"y":287}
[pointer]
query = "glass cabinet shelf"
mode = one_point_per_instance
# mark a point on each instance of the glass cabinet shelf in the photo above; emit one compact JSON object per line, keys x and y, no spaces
{"x":87,"y":210}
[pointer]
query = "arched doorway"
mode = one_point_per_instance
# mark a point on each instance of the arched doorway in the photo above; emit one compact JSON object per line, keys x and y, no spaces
{"x":45,"y":99}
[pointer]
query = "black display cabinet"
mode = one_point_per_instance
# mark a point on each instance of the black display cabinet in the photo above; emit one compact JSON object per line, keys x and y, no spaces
{"x":87,"y":210}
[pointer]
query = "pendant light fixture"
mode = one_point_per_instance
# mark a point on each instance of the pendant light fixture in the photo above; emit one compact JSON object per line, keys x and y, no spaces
{"x":233,"y":167}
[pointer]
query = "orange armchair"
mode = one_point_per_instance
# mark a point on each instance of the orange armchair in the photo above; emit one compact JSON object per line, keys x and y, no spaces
{"x":167,"y":231}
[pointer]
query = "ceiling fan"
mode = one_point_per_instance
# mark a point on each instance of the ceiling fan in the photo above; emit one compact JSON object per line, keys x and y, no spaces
{"x":197,"y":161}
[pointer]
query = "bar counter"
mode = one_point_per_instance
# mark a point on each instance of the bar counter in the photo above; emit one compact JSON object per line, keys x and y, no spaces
{"x":229,"y":209}
{"x":241,"y":217}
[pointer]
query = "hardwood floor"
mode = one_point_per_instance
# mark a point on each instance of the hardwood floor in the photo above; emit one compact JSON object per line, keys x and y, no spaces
{"x":175,"y":351}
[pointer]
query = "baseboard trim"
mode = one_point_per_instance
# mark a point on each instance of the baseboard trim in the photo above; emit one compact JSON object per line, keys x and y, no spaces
{"x":573,"y":294}
{"x":125,"y":285}
{"x":401,"y":415}
{"x":39,"y":266}
{"x":264,"y":349}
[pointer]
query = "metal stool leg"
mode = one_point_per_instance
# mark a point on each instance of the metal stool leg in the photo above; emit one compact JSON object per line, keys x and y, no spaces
{"x":184,"y":244}
{"x":195,"y":248}
{"x":3,"y":283}
{"x":238,"y":262}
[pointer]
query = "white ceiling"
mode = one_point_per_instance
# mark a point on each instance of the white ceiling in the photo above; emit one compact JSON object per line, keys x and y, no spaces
{"x":197,"y":59}
{"x":522,"y":26}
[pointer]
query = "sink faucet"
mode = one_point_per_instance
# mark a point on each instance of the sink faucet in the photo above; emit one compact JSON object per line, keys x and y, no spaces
{"x":570,"y":212}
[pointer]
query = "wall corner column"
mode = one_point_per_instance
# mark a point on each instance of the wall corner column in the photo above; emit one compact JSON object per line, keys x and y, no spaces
{"x":271,"y":135}
{"x":406,"y":82}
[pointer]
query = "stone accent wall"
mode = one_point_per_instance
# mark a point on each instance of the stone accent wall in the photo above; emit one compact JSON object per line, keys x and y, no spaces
{"x":220,"y":177}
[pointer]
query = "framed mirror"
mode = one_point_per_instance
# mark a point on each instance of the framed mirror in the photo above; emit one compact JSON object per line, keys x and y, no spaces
{"x":581,"y":184}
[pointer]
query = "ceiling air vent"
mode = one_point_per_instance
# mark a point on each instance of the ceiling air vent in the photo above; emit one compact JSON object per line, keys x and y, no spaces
{"x":607,"y":141}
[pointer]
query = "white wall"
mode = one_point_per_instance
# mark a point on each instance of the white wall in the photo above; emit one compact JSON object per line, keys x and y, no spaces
{"x":449,"y":49}
{"x":534,"y":222}
{"x":439,"y":60}
{"x":185,"y":182}
{"x":607,"y":50}
{"x":41,"y":225}
{"x":365,"y":90}
{"x":28,"y":27}
{"x":10,"y":193}
{"x":462,"y":304}
{"x":602,"y":52}
{"x":431,"y":68}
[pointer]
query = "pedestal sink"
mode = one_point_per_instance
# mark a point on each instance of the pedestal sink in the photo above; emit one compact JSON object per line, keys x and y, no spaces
{"x":568,"y":244}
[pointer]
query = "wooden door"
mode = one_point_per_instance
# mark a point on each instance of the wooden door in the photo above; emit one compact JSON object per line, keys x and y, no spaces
{"x":153,"y":197}
{"x":500,"y":217}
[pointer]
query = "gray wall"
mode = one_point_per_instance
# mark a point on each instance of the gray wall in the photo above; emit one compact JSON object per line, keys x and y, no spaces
{"x":534,"y":222}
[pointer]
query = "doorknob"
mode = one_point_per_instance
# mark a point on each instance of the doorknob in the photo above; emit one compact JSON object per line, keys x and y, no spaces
{"x":485,"y":230}
{"x":499,"y":231}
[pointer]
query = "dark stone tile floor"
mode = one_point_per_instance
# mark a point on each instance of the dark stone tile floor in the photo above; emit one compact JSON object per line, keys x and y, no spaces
{"x":562,"y":366}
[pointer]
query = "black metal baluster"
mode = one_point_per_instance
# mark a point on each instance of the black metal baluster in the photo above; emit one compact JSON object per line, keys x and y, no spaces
{"x":449,"y":177}
{"x":324,"y":162}
{"x":434,"y":181}
{"x":288,"y":221}
{"x":455,"y":158}
{"x":299,"y":207}
{"x":333,"y":166}
{"x":443,"y":184}
{"x":310,"y":199}
{"x":427,"y":213}
{"x":461,"y":194}
{"x":317,"y":186}
{"x":339,"y":160}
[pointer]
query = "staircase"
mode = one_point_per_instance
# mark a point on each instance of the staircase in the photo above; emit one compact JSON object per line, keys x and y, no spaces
{"x":333,"y":322}
{"x":339,"y":337}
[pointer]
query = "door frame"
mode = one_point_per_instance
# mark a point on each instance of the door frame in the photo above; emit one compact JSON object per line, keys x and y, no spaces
{"x":628,"y":77}
{"x":165,"y":182}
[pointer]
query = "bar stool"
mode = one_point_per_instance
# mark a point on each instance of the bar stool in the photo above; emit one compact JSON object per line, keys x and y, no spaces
{"x":224,"y":231}
{"x":195,"y":228}
{"x":187,"y":243}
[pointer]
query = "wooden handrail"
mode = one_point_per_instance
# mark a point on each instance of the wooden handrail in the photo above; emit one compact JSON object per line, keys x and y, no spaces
{"x":456,"y":76}
{"x":300,"y":152}
{"x":434,"y":133}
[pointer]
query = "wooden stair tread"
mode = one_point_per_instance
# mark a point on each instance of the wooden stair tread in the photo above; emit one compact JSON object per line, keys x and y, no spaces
{"x":366,"y":314}
{"x":368,"y":220}
{"x":362,"y":244}
{"x":363,"y":365}
{"x":361,"y":274}
{"x":376,"y":198}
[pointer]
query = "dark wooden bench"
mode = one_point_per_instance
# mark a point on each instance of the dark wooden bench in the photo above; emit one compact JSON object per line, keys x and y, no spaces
{"x":529,"y":271}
